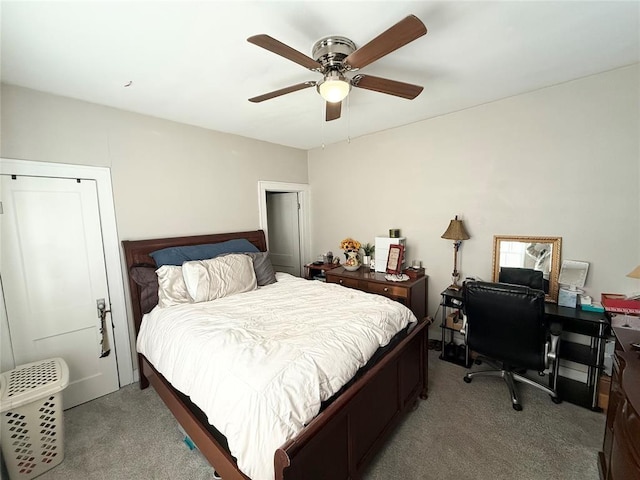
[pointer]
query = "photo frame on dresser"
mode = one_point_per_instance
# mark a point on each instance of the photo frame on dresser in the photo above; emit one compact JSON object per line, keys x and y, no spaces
{"x":394,"y":259}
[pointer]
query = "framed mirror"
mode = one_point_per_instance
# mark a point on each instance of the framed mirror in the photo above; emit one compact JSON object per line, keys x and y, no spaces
{"x":531,"y":253}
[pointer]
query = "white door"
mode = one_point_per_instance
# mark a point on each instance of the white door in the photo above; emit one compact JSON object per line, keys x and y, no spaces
{"x":53,"y":273}
{"x":284,"y":232}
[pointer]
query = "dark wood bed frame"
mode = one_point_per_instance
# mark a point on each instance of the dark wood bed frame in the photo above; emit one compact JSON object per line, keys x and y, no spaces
{"x":343,"y":438}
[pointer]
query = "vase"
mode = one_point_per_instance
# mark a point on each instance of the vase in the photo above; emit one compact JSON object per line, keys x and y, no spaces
{"x":353,"y":261}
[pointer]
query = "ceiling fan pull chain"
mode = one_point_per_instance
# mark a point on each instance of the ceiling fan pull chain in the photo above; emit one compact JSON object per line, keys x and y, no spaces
{"x":322,"y":125}
{"x":348,"y":120}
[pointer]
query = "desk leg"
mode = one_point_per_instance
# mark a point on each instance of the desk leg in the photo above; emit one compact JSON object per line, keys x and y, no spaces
{"x":594,"y":372}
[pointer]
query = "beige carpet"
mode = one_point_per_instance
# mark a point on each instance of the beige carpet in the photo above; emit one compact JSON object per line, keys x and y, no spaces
{"x":462,"y":431}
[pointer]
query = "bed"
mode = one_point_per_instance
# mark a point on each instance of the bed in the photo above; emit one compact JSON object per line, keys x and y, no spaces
{"x":351,"y":427}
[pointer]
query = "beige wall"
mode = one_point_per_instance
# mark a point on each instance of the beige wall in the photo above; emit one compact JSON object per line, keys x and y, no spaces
{"x":168,"y":178}
{"x":562,"y":161}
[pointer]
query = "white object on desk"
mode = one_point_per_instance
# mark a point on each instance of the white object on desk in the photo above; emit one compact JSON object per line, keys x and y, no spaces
{"x":573,"y":273}
{"x":382,"y":251}
{"x":400,"y":277}
{"x":568,"y":298}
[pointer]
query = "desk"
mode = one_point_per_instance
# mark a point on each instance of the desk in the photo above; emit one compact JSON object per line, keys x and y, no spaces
{"x":594,"y":325}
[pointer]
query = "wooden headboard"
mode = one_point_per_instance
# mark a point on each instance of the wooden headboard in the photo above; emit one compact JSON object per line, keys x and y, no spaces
{"x":137,"y":252}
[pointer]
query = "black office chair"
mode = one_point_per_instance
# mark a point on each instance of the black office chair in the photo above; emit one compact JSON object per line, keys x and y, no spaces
{"x":522,"y":276}
{"x":506,"y":325}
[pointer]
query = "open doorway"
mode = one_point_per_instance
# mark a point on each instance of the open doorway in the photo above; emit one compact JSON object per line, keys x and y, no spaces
{"x":284,"y":215}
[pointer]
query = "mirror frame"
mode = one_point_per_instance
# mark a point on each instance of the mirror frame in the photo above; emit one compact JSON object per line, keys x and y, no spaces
{"x":554,"y":273}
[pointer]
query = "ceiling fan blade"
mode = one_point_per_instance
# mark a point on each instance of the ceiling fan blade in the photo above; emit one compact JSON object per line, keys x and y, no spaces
{"x":403,"y":32}
{"x":384,"y":85}
{"x":279,"y":48}
{"x":333,"y":111}
{"x":282,"y":91}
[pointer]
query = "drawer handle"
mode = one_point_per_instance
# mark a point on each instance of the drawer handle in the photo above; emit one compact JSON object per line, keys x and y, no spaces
{"x":340,"y":281}
{"x":386,"y":289}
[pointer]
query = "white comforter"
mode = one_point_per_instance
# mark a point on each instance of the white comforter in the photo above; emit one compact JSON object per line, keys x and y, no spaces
{"x":259,"y":363}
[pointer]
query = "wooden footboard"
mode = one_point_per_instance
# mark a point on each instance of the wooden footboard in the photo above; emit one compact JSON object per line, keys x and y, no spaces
{"x":341,"y":441}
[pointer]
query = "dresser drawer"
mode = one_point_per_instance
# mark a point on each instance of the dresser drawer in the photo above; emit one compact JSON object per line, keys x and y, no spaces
{"x":345,"y":282}
{"x":395,"y":291}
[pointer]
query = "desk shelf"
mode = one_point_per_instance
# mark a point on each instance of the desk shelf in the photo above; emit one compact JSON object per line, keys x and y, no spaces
{"x":578,"y":353}
{"x":451,"y":300}
{"x":576,"y":392}
{"x":455,"y":354}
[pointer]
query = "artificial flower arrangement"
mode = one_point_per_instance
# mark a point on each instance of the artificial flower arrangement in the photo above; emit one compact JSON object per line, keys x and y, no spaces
{"x":350,"y":245}
{"x":351,"y":248}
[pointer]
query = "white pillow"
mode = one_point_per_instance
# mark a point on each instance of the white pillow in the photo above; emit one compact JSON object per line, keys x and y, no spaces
{"x":171,"y":287}
{"x":219,"y":277}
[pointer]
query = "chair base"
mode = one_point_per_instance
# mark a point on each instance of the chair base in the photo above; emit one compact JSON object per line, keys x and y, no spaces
{"x":510,"y":377}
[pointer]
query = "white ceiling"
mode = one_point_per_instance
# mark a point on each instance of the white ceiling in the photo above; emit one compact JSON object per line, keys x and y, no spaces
{"x":190,"y":62}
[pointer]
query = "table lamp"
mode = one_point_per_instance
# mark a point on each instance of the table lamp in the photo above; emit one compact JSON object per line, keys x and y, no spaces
{"x":457,"y":233}
{"x":635,"y":273}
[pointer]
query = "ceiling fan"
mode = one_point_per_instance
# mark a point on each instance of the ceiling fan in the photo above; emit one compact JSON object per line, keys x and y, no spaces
{"x":334,"y":56}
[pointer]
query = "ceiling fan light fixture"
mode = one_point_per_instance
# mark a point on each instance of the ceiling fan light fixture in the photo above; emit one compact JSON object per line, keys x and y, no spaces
{"x":334,"y":88}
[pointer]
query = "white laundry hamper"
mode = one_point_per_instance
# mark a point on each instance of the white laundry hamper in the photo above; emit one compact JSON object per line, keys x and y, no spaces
{"x":32,"y":429}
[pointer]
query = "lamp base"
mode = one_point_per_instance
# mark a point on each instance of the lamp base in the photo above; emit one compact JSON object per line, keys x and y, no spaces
{"x":453,"y":286}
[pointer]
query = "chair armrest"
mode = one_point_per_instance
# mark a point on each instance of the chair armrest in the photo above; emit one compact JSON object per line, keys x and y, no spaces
{"x":551,"y":348}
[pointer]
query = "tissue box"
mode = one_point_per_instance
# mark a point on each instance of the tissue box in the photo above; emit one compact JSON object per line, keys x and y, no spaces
{"x":593,"y":307}
{"x":568,"y":298}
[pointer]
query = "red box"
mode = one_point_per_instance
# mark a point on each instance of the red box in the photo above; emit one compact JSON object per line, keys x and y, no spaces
{"x":618,"y":303}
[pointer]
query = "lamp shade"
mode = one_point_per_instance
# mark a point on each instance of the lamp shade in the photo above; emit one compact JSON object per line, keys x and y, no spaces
{"x":635,"y":273}
{"x":334,"y":88}
{"x":456,"y":231}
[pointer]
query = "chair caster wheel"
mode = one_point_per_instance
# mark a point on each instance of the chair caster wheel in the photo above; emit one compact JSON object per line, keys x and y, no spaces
{"x":466,"y":379}
{"x":517,"y":407}
{"x":556,"y":400}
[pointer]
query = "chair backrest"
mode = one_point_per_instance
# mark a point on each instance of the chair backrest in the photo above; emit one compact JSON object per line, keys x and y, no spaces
{"x":522,"y":276}
{"x":506,"y":322}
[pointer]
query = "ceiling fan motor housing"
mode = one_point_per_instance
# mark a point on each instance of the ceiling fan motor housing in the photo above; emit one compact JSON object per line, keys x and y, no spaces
{"x":331,"y":51}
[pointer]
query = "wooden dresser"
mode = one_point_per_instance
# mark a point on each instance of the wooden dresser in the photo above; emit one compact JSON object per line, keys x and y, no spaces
{"x":620,"y":455}
{"x":412,"y":293}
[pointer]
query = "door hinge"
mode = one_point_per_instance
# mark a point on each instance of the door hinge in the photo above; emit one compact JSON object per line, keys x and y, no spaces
{"x":1,"y":209}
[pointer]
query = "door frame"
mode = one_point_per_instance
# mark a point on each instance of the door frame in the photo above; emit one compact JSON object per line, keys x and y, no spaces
{"x":110,"y":240}
{"x":303,"y":191}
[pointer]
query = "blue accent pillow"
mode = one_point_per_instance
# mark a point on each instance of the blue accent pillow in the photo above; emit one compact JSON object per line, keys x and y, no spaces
{"x":178,"y":255}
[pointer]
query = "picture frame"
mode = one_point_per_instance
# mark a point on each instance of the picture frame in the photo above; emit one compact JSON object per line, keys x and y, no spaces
{"x":394,"y":259}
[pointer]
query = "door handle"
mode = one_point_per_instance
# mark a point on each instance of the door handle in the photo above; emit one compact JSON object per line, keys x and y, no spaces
{"x":105,"y":350}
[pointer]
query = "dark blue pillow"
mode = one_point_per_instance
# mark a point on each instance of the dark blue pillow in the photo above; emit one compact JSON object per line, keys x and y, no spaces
{"x":179,"y":255}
